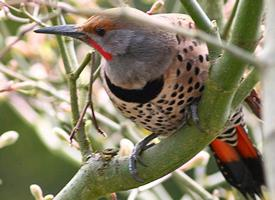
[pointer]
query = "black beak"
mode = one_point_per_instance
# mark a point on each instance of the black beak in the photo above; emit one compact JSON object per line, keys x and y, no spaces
{"x":66,"y":30}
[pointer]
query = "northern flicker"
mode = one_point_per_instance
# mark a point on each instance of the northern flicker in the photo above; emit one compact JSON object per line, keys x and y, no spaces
{"x":153,"y":77}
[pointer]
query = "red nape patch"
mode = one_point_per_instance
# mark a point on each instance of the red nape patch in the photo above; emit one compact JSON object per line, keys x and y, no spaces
{"x":245,"y":146}
{"x":104,"y":53}
{"x":224,"y":151}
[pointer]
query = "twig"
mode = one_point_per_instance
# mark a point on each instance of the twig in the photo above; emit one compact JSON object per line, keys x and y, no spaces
{"x":82,"y":66}
{"x":228,"y":24}
{"x":214,"y":10}
{"x":245,"y":88}
{"x":79,"y":122}
{"x":19,"y":37}
{"x":23,"y":32}
{"x":90,"y":100}
{"x":12,"y":17}
{"x":35,"y":84}
{"x":31,"y":17}
{"x":90,"y":56}
{"x":155,"y":7}
{"x":203,"y":22}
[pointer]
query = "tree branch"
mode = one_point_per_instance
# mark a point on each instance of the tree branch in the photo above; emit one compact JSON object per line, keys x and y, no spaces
{"x":98,"y":177}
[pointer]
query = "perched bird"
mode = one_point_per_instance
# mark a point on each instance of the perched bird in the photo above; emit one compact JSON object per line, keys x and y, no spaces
{"x":154,"y":76}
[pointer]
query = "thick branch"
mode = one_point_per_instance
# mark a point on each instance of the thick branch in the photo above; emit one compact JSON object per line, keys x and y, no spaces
{"x":97,"y":177}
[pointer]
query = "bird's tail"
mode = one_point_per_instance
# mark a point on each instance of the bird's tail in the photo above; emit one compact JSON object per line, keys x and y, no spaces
{"x":241,"y":165}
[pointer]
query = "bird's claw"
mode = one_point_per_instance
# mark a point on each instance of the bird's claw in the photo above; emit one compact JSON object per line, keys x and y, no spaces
{"x":193,"y":114}
{"x":136,"y":156}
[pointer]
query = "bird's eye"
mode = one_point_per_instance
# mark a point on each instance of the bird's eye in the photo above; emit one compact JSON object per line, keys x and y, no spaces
{"x":100,"y":31}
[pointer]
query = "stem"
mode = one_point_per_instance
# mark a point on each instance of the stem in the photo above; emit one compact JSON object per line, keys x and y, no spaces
{"x":214,"y":9}
{"x":82,"y":66}
{"x":228,"y":25}
{"x":245,"y":88}
{"x":203,"y":22}
{"x":269,"y":96}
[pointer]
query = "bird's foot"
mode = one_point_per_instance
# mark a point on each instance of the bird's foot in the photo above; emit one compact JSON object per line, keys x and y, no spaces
{"x":136,"y":156}
{"x":193,"y":114}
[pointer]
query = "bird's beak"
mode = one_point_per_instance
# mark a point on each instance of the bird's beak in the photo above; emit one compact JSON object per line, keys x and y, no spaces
{"x":66,"y":30}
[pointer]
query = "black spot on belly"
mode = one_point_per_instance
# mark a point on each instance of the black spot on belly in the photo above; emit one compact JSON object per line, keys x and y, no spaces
{"x":171,"y":102}
{"x":181,"y":88}
{"x":178,"y":72}
{"x":178,"y":38}
{"x":174,"y":94}
{"x":181,"y":102}
{"x":197,"y":71}
{"x":190,"y":89}
{"x":179,"y":57}
{"x":201,"y":58}
{"x":197,"y":85}
{"x":181,"y":96}
{"x":190,"y":80}
{"x":169,"y":108}
{"x":188,"y":66}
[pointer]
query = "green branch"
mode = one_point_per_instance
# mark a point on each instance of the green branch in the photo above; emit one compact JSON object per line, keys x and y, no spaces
{"x":227,"y":72}
{"x":214,"y":9}
{"x":228,"y":25}
{"x":98,"y":177}
{"x":70,"y":63}
{"x":203,"y":22}
{"x":245,"y":88}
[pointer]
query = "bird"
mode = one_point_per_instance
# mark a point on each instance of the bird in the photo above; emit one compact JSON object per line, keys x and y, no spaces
{"x":155,"y":77}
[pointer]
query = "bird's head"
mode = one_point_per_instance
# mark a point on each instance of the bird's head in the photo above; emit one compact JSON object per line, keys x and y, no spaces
{"x":137,"y":50}
{"x":108,"y":32}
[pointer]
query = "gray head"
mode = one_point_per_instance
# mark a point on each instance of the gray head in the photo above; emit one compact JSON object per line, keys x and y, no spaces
{"x":134,"y":53}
